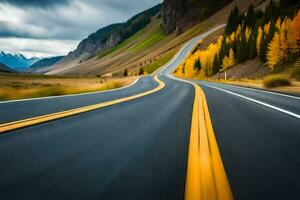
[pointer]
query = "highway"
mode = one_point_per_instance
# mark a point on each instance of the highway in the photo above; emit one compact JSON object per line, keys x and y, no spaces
{"x":141,"y":148}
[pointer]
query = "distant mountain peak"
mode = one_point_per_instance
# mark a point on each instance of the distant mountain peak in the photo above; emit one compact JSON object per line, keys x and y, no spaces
{"x":16,"y":60}
{"x":45,"y":62}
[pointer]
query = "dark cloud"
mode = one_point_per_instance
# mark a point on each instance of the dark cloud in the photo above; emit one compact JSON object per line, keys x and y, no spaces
{"x":36,"y":3}
{"x":61,"y":20}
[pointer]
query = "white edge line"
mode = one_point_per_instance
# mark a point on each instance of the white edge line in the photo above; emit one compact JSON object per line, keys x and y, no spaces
{"x":258,"y":102}
{"x":263,"y":91}
{"x":71,"y":95}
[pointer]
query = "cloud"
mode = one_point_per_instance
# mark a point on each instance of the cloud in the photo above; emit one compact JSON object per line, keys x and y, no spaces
{"x":36,"y":3}
{"x":37,"y":47}
{"x":65,"y":20}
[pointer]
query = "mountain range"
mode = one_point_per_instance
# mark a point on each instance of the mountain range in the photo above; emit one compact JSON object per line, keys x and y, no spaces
{"x":5,"y":69}
{"x":45,"y":62}
{"x":16,"y":61}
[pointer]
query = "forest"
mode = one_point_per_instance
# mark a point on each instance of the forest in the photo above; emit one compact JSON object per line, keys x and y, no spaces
{"x":273,"y":36}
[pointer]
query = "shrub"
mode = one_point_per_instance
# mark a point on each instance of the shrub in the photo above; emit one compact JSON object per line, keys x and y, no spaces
{"x":276,"y":81}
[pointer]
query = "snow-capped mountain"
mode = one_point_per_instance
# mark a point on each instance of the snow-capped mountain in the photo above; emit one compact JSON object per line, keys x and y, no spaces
{"x":16,"y":61}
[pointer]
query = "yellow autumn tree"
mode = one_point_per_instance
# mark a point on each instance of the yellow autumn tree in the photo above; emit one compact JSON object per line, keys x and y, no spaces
{"x":248,"y":31}
{"x":283,"y":41}
{"x":278,"y":24}
{"x":228,"y":61}
{"x":294,"y":36}
{"x":267,"y":28}
{"x":179,"y":71}
{"x":274,"y":55}
{"x":190,"y":72}
{"x":258,"y":40}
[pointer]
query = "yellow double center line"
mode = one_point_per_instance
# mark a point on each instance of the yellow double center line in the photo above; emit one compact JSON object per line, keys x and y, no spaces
{"x":54,"y":116}
{"x":206,"y":178}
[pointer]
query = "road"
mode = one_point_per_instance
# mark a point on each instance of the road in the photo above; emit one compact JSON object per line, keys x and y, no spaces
{"x":138,"y":149}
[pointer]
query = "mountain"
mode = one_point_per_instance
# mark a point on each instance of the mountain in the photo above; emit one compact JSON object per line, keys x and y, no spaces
{"x":5,"y":69}
{"x":110,"y":36}
{"x":149,"y":46}
{"x":45,"y":62}
{"x":16,"y":61}
{"x":177,"y":15}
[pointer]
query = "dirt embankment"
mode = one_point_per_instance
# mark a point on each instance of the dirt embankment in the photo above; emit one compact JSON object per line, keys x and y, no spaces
{"x":251,"y":69}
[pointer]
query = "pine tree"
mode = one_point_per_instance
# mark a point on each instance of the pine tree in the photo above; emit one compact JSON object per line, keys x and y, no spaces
{"x":197,"y":65}
{"x":125,"y":72}
{"x":249,"y":19}
{"x":216,"y":65}
{"x":233,"y":21}
{"x":141,"y":72}
{"x":242,"y":49}
{"x":252,"y":44}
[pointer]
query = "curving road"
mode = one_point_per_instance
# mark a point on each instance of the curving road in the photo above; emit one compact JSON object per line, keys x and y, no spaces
{"x":138,"y":149}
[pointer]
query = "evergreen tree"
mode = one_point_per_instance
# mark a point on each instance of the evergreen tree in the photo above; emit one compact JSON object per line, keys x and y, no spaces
{"x":249,"y":19}
{"x":125,"y":72}
{"x":141,"y":72}
{"x":242,"y":49}
{"x":233,"y":21}
{"x":252,"y":45}
{"x":197,"y":65}
{"x":216,"y":65}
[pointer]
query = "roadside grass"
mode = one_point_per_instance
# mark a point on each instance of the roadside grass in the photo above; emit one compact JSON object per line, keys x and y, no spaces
{"x":123,"y":44}
{"x":150,"y":41}
{"x":149,"y":69}
{"x":19,"y":87}
{"x":295,"y":70}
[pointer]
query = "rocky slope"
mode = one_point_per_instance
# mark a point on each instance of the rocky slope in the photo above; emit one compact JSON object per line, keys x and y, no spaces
{"x":177,"y":15}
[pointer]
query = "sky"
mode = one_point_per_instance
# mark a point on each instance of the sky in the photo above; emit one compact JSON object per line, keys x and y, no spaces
{"x":45,"y":28}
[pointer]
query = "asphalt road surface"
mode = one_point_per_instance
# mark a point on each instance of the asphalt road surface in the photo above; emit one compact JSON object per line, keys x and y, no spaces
{"x":138,"y":149}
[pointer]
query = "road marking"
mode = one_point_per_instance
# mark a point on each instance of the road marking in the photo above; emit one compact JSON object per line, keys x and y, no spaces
{"x":206,"y":178}
{"x":54,"y":116}
{"x":264,"y":91}
{"x":258,"y":102}
{"x":70,"y":95}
